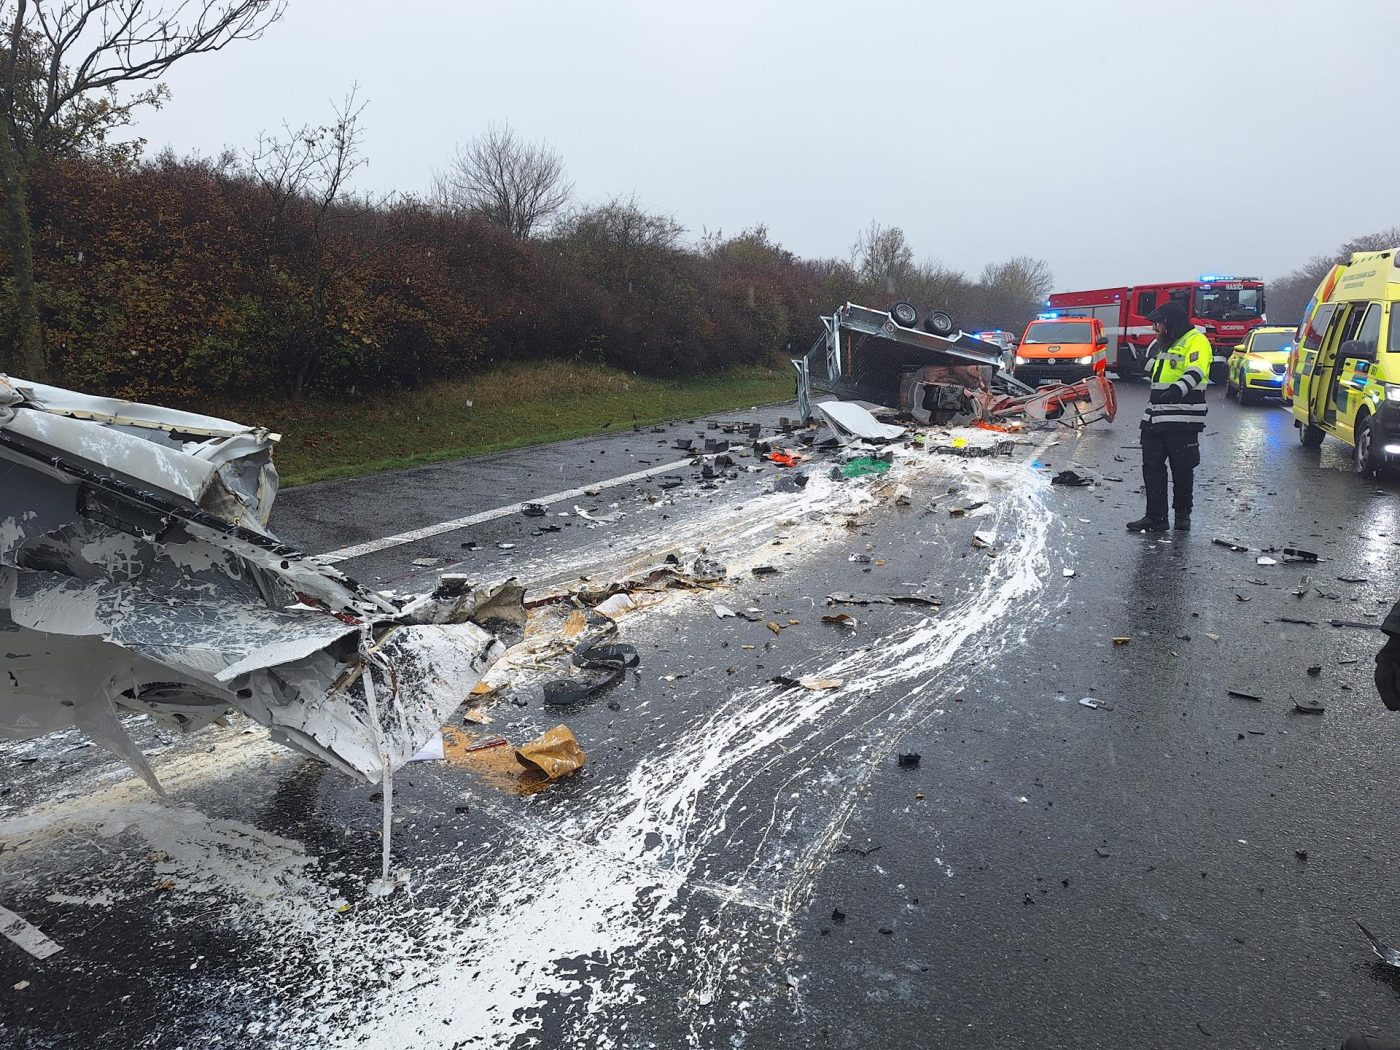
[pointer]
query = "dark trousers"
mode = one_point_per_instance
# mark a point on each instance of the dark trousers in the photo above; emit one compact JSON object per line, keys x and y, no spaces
{"x":1181,"y":449}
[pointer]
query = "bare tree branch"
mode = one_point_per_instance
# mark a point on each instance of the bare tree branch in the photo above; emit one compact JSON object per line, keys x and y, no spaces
{"x":517,"y":185}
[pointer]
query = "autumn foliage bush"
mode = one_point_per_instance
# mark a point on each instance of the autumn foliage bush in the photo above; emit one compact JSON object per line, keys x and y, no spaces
{"x":181,"y":279}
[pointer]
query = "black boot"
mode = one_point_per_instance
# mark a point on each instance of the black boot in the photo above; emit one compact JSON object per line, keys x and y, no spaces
{"x":1147,"y":525}
{"x":1182,"y":523}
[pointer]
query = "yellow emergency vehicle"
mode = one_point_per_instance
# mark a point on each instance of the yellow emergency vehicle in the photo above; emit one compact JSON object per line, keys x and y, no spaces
{"x":1346,"y":369}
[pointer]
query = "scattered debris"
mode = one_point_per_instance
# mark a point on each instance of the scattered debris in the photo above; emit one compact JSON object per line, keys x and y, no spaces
{"x":1294,"y":554}
{"x":1315,"y":670}
{"x":426,"y":563}
{"x":908,"y":759}
{"x":554,"y":754}
{"x":1068,"y":573}
{"x":1309,"y":706}
{"x":764,"y":570}
{"x":611,"y":660}
{"x":534,"y":510}
{"x":1353,"y":579}
{"x":1264,"y":559}
{"x":982,"y":540}
{"x":1384,"y":953}
{"x":1090,"y":702}
{"x":883,"y":599}
{"x":1121,"y":641}
{"x":723,"y":612}
{"x":597,"y":516}
{"x":864,"y":466}
{"x":842,"y":620}
{"x":1230,"y":545}
{"x":1073,"y":480}
{"x":851,"y":423}
{"x":1354,"y":623}
{"x":1239,"y":694}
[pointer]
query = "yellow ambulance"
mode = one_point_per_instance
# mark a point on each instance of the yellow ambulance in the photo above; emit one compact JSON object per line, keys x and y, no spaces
{"x":1346,"y":367}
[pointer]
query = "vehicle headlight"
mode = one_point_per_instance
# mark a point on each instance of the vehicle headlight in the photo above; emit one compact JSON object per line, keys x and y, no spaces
{"x":1392,"y":392}
{"x":1020,"y":360}
{"x":1084,"y":360}
{"x":1262,"y":367}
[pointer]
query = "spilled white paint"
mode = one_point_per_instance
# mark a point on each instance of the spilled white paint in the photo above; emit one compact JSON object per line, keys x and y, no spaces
{"x":678,"y":878}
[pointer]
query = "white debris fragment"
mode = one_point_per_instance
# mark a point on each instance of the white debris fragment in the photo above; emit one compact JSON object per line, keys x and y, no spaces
{"x":1264,"y":559}
{"x":1090,"y":702}
{"x":723,"y":612}
{"x":432,"y":751}
{"x":427,"y":563}
{"x":1068,"y":573}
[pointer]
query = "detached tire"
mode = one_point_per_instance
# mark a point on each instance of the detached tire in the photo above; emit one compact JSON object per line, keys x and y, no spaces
{"x":905,"y":314}
{"x":1366,"y":457}
{"x":940,"y":322}
{"x":1311,"y":436}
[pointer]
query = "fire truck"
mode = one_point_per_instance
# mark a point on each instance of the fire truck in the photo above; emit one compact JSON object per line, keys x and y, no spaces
{"x":1225,"y":308}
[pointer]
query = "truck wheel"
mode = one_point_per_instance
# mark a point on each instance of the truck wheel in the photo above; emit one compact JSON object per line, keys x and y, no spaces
{"x":905,"y":313}
{"x":1311,"y":436}
{"x":1366,"y":456}
{"x":940,"y":322}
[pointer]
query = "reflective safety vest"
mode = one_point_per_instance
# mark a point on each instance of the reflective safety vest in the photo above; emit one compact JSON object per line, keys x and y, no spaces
{"x":1185,"y":365}
{"x":1192,"y":350}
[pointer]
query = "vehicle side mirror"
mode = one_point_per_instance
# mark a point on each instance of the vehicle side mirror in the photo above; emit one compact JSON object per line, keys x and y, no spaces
{"x":1102,"y":340}
{"x":1356,"y":350}
{"x":1239,"y":346}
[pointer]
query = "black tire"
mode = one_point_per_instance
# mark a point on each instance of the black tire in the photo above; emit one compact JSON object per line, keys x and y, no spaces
{"x":1311,"y":436}
{"x":940,"y":322}
{"x":905,"y":314}
{"x":1229,"y":389}
{"x":1366,"y":456}
{"x":1246,"y":398}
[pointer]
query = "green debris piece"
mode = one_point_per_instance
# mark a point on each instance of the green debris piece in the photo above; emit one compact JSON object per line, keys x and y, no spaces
{"x":864,"y":467}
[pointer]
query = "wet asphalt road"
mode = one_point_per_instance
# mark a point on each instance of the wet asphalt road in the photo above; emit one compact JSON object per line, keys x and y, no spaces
{"x":1126,"y":876}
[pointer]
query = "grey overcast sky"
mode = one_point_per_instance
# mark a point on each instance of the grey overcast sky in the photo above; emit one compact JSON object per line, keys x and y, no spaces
{"x":1121,"y":141}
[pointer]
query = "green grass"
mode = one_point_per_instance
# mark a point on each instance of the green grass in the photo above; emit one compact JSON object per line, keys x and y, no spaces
{"x":508,"y":407}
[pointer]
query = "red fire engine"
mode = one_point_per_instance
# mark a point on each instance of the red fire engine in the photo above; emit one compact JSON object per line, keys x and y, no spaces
{"x":1224,"y":308}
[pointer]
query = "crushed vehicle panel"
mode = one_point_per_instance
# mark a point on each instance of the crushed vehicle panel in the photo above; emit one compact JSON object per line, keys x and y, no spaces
{"x":137,"y":573}
{"x":935,"y":373}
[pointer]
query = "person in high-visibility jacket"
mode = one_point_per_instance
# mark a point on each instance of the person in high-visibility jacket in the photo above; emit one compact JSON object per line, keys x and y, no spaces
{"x":1175,"y":416}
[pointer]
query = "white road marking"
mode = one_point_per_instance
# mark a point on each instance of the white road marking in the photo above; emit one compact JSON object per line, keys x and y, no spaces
{"x":359,"y":550}
{"x":27,"y":935}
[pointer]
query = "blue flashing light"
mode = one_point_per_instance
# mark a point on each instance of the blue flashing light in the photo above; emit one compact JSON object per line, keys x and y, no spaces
{"x":1217,"y":277}
{"x":1048,"y":315}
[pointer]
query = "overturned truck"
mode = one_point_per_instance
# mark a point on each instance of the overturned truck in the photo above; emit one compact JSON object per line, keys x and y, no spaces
{"x":137,"y":574}
{"x":933,"y":372}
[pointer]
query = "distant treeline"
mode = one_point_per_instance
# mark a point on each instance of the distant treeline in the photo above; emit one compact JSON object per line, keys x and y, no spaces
{"x":1288,"y":295}
{"x":262,"y":275}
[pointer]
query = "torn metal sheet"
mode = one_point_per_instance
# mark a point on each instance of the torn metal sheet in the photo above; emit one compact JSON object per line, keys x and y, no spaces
{"x":850,"y":422}
{"x":137,"y":574}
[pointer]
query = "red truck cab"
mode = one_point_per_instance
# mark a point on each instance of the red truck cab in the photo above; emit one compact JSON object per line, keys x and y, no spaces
{"x":1225,"y":308}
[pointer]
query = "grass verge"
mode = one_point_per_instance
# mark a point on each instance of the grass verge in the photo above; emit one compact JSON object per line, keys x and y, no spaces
{"x":508,"y":407}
